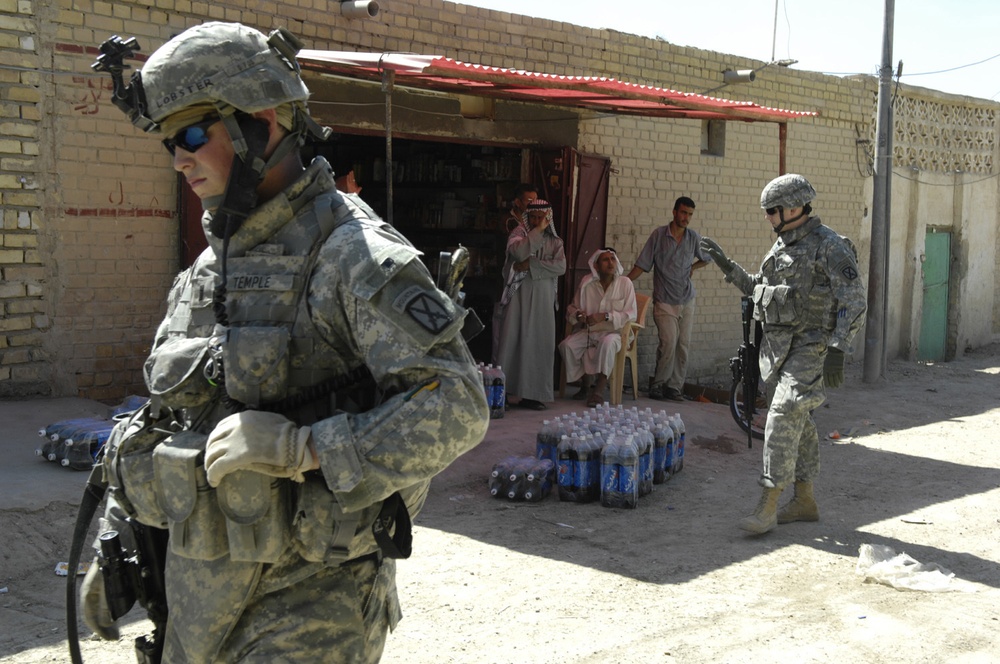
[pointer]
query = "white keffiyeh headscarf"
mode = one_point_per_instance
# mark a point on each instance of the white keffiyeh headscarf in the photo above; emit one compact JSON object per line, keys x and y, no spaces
{"x":515,"y":278}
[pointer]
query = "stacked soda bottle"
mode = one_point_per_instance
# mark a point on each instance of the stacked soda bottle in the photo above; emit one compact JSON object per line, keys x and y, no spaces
{"x":522,"y":478}
{"x":75,"y":442}
{"x":612,"y":454}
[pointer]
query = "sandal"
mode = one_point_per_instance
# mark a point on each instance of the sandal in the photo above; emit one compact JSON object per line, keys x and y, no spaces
{"x":594,"y":400}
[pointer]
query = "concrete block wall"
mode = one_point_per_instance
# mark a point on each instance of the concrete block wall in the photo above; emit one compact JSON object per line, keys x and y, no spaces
{"x":90,"y":226}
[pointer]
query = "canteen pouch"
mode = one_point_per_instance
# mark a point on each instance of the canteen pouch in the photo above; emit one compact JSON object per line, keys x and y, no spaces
{"x":197,"y":525}
{"x":774,"y":305}
{"x":128,"y":463}
{"x":256,"y":507}
{"x":257,"y":361}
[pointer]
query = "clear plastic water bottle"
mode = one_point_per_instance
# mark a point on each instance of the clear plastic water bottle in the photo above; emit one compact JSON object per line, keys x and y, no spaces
{"x":481,"y":368}
{"x":486,"y":371}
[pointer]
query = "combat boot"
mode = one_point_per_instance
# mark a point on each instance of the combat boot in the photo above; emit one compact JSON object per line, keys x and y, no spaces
{"x":802,"y":507}
{"x":765,"y":517}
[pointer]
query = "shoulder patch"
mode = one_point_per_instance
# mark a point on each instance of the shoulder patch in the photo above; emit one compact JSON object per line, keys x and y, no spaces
{"x":848,"y":269}
{"x":425,"y":308}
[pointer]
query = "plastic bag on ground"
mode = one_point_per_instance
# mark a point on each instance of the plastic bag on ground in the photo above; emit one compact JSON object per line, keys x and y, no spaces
{"x":881,"y":564}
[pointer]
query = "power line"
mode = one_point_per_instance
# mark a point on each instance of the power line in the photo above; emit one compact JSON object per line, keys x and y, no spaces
{"x":923,"y":73}
{"x":945,"y":71}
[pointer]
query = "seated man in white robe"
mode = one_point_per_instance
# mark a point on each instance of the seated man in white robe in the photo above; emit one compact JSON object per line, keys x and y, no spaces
{"x":604,"y":302}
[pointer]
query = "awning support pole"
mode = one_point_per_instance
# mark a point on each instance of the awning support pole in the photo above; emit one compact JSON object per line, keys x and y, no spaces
{"x":388,"y":78}
{"x":782,"y":142}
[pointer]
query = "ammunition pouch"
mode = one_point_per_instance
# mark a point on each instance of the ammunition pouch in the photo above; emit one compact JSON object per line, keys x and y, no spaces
{"x":775,"y":305}
{"x":253,"y":517}
{"x":196,"y":524}
{"x":128,"y":464}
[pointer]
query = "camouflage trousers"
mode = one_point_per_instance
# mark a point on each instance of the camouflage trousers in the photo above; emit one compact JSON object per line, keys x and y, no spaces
{"x":791,"y":442}
{"x":292,"y":613}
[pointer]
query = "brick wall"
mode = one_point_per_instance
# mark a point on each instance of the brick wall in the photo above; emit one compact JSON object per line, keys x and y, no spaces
{"x":23,"y":296}
{"x":90,"y":228}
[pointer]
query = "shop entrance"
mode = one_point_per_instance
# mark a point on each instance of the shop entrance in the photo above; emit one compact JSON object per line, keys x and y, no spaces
{"x":449,"y":193}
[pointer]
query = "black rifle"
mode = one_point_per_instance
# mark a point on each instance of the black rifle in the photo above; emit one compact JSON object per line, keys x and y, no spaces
{"x":132,"y":576}
{"x":749,"y":354}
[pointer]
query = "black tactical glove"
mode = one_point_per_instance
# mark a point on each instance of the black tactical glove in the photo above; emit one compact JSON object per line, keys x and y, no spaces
{"x":710,"y":247}
{"x":833,"y":368}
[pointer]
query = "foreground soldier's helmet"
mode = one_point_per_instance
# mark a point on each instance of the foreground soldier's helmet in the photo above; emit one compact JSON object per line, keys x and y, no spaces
{"x":221,"y":64}
{"x":787,"y":191}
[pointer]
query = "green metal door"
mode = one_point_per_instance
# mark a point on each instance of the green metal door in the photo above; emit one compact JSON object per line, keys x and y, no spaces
{"x":934,"y":318}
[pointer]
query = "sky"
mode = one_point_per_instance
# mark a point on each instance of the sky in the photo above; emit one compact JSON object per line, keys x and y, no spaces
{"x":830,"y":36}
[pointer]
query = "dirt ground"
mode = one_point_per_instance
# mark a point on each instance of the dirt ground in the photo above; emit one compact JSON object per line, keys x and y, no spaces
{"x":916,"y":468}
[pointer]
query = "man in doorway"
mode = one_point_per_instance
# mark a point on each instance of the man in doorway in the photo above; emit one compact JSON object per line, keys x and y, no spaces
{"x":602,"y":306}
{"x":524,"y":193}
{"x":673,"y":253}
{"x":535,"y":261}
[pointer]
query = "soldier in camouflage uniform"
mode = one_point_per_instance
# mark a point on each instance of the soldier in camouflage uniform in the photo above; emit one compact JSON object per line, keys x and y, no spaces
{"x":811,"y":301}
{"x":307,"y":382}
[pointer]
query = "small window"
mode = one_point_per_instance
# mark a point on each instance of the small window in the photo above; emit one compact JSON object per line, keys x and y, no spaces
{"x":713,"y":137}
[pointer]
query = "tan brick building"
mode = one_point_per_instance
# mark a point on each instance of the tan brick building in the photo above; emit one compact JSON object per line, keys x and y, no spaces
{"x":91,"y":235}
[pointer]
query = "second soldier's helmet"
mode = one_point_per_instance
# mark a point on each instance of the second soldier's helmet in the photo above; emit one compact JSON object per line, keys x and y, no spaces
{"x":220,"y":64}
{"x":787,"y":191}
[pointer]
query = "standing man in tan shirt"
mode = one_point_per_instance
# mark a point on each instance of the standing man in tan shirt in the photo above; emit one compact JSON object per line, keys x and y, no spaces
{"x":672,"y":252}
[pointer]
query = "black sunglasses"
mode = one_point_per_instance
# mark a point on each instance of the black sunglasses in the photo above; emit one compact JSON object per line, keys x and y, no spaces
{"x":191,"y":137}
{"x":773,"y":210}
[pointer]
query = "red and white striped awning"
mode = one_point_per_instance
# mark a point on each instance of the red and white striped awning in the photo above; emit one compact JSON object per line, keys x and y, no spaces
{"x":595,"y":93}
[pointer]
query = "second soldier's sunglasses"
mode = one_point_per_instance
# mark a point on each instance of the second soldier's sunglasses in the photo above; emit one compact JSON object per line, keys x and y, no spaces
{"x":773,"y":210}
{"x":191,"y":137}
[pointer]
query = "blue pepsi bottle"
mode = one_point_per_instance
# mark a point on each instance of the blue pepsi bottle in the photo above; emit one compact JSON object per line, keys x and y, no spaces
{"x":628,"y":476}
{"x":610,"y":471}
{"x":567,"y":473}
{"x":644,"y":446}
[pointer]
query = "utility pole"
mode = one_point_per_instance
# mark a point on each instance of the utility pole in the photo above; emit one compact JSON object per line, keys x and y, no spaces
{"x":878,"y":266}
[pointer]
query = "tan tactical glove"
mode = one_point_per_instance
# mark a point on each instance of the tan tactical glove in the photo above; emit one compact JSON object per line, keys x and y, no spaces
{"x":256,"y":440}
{"x":711,"y":248}
{"x":94,"y":604}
